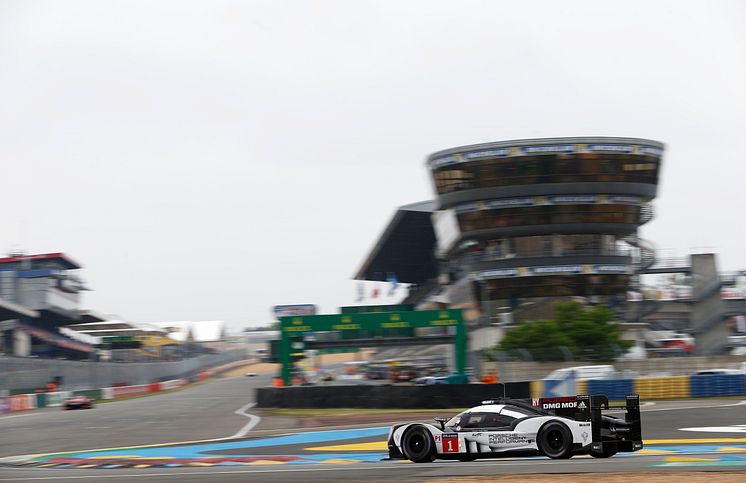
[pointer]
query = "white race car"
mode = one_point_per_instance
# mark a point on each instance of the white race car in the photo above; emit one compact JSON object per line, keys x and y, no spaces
{"x":555,"y":427}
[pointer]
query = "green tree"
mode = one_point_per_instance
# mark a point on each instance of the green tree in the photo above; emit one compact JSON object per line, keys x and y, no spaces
{"x":588,"y":333}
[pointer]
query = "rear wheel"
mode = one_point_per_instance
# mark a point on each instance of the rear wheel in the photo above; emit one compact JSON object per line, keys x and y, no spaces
{"x":555,"y":440}
{"x":418,"y":445}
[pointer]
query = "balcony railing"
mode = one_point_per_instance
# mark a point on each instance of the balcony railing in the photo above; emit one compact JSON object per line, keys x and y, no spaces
{"x":450,"y":185}
{"x":487,"y":256}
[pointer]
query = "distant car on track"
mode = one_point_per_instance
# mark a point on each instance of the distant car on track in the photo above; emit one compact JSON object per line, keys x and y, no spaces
{"x":78,"y":402}
{"x":251,"y":374}
{"x":555,"y":427}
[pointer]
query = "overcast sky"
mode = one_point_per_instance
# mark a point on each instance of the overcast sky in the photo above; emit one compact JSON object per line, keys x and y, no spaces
{"x":209,"y":159}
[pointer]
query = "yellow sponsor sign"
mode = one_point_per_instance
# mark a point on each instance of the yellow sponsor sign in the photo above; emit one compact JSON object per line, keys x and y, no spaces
{"x":346,"y":326}
{"x":393,"y":325}
{"x":297,"y":328}
{"x":443,"y":322}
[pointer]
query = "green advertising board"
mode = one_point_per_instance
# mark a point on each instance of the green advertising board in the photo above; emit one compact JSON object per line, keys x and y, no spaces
{"x":366,"y":309}
{"x":361,"y":326}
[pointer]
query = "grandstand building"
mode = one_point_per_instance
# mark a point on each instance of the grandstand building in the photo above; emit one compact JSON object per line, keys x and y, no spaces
{"x":41,"y":293}
{"x":514,"y":221}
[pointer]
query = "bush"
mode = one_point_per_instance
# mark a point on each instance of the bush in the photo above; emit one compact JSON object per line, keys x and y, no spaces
{"x":584,"y":333}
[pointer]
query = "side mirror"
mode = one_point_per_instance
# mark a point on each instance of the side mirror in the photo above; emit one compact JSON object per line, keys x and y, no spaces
{"x":442,"y":422}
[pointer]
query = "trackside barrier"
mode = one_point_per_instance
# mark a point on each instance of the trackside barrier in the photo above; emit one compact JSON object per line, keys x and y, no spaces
{"x":582,"y":386}
{"x":662,"y":387}
{"x":614,"y":389}
{"x":127,"y":391}
{"x":53,"y":399}
{"x":91,"y":393}
{"x":22,"y":402}
{"x":438,"y":396}
{"x":173,"y":384}
{"x":718,"y":385}
{"x":536,"y":388}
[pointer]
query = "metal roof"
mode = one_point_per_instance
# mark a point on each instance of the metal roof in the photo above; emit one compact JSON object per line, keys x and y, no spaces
{"x":405,"y":249}
{"x":65,"y":260}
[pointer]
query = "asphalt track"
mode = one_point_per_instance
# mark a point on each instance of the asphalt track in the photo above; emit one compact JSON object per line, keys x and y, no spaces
{"x":346,"y":453}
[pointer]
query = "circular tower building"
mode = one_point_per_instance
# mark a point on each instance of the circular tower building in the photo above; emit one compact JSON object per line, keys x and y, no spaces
{"x":543,"y":218}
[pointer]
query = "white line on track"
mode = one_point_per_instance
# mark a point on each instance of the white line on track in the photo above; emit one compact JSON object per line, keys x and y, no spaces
{"x":17,"y":416}
{"x":253,"y":421}
{"x":739,"y":403}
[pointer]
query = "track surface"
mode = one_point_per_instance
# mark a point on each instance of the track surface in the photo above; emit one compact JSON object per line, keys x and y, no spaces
{"x":208,"y":411}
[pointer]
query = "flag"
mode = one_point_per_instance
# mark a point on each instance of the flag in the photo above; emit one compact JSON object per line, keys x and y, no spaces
{"x":394,"y":283}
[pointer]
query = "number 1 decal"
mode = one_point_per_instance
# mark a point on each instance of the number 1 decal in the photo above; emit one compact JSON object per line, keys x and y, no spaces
{"x":450,"y":443}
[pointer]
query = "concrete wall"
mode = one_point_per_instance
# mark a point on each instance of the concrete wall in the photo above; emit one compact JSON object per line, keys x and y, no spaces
{"x":707,"y":322}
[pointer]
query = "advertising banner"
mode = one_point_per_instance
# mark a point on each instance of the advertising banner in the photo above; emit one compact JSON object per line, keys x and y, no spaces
{"x":298,"y":310}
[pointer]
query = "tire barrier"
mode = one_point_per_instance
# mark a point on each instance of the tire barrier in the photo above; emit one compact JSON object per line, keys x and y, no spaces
{"x":51,"y":399}
{"x":127,"y":391}
{"x":173,"y":384}
{"x":718,"y":385}
{"x":615,"y":389}
{"x":663,"y":387}
{"x":440,"y":396}
{"x":22,"y":402}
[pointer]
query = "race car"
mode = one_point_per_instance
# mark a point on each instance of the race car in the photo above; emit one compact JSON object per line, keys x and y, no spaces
{"x":554,"y":427}
{"x":78,"y":402}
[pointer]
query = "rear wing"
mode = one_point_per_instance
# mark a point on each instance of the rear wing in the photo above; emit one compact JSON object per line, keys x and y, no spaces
{"x":590,"y":408}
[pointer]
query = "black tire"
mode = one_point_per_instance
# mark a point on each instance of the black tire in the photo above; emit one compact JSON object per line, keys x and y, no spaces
{"x":555,"y":440}
{"x":418,"y":445}
{"x":606,"y":453}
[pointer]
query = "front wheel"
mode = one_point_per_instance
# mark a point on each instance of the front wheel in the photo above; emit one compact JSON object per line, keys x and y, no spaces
{"x":418,"y":445}
{"x":555,"y":440}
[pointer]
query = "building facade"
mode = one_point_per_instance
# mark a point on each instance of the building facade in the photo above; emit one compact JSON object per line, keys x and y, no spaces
{"x":545,"y":217}
{"x":48,"y":289}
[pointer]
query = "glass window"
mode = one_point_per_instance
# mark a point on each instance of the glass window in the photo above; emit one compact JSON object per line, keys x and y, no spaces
{"x":563,"y":168}
{"x":473,"y":420}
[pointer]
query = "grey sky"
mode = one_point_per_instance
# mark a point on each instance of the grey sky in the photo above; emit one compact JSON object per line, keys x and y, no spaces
{"x":209,"y":159}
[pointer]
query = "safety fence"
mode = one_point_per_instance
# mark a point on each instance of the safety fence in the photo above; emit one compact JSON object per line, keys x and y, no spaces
{"x":674,"y":387}
{"x":466,"y":395}
{"x":25,"y":402}
{"x":19,"y":375}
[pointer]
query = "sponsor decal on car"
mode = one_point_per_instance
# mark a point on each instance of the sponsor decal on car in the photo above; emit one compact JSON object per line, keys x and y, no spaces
{"x":450,"y":443}
{"x":559,"y":403}
{"x":507,"y":438}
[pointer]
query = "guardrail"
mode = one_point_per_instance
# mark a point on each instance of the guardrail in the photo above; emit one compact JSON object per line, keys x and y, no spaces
{"x":25,"y":402}
{"x":467,"y":395}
